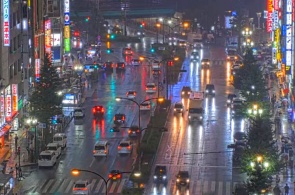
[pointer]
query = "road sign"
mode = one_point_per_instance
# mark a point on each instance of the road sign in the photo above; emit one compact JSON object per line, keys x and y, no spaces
{"x":42,"y":125}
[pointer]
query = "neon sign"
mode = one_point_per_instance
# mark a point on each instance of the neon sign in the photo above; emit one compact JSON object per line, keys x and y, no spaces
{"x":6,"y":23}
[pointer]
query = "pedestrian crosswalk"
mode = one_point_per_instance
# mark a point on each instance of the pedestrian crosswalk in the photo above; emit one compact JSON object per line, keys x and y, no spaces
{"x":197,"y":187}
{"x":65,"y":186}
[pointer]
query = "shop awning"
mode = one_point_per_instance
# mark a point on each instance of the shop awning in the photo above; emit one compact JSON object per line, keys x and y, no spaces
{"x":4,"y":130}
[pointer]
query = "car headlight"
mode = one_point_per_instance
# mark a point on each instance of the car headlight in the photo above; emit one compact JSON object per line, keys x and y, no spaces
{"x":189,"y":116}
{"x":207,"y":90}
{"x":174,"y":109}
{"x":155,"y":177}
{"x":202,"y":63}
{"x":182,"y":92}
{"x":181,"y":109}
{"x":197,"y":57}
{"x":189,"y":92}
{"x":213,"y":91}
{"x":164,"y":177}
{"x":228,"y":57}
{"x":187,"y":180}
{"x":201,"y":117}
{"x":228,"y":101}
{"x":192,"y":57}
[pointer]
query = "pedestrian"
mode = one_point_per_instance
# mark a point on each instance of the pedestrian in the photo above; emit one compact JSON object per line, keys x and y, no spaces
{"x":286,"y":189}
{"x":277,"y":190}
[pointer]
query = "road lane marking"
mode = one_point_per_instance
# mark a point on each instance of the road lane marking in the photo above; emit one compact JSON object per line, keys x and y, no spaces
{"x":213,"y":183}
{"x":55,"y":186}
{"x":227,"y":187}
{"x":119,"y":190}
{"x":48,"y":186}
{"x":93,"y":160}
{"x":63,"y":185}
{"x":39,"y":186}
{"x":220,"y":187}
{"x":70,"y":186}
{"x":113,"y":187}
{"x":198,"y":187}
{"x":98,"y":186}
{"x":92,"y":184}
{"x":205,"y":186}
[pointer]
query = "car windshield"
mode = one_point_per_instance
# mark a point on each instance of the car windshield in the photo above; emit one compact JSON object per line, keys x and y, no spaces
{"x":239,"y":135}
{"x":119,"y":116}
{"x":186,"y":89}
{"x":210,"y":87}
{"x":135,"y":60}
{"x":57,"y":139}
{"x":120,"y":64}
{"x":51,"y":148}
{"x":178,"y":106}
{"x":150,"y":86}
{"x":195,"y":53}
{"x":205,"y":60}
{"x":182,"y":174}
{"x":99,"y":148}
{"x":45,"y":157}
{"x":195,"y":110}
{"x":80,"y":185}
{"x":131,"y":92}
{"x":145,"y":104}
{"x":160,"y":171}
{"x":124,"y":144}
{"x":231,"y":52}
{"x":78,"y":110}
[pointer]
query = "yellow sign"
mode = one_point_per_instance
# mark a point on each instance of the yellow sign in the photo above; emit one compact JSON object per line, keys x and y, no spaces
{"x":67,"y":32}
{"x":277,"y":35}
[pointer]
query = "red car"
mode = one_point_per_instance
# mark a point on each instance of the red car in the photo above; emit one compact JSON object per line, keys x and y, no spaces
{"x":97,"y":111}
{"x":115,"y":175}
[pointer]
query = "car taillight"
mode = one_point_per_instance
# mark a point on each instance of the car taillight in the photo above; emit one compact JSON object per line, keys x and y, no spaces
{"x":110,"y":175}
{"x":114,"y":118}
{"x":116,"y":65}
{"x":137,"y":131}
{"x":93,"y":110}
{"x":105,"y":151}
{"x":129,"y":147}
{"x":102,"y":110}
{"x":112,"y":65}
{"x":129,"y":131}
{"x":80,"y":189}
{"x":119,"y":147}
{"x":118,"y":176}
{"x":126,"y":52}
{"x":146,"y":88}
{"x":94,"y":151}
{"x":154,"y":87}
{"x":123,"y":65}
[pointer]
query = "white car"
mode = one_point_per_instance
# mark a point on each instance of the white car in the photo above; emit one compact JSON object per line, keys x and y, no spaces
{"x":135,"y":62}
{"x":131,"y":94}
{"x":145,"y":106}
{"x":125,"y":147}
{"x":81,"y":187}
{"x":54,"y":147}
{"x":151,"y":88}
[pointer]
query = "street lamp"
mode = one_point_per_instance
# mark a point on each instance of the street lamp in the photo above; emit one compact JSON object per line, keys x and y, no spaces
{"x":247,"y":32}
{"x":255,"y":110}
{"x":33,"y":121}
{"x":76,"y":172}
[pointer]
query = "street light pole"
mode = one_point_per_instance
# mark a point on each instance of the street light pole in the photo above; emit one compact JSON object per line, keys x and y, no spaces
{"x":33,"y":121}
{"x":76,"y":172}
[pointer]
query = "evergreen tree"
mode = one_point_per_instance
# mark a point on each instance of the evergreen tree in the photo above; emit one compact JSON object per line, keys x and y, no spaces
{"x":44,"y":101}
{"x":260,"y":143}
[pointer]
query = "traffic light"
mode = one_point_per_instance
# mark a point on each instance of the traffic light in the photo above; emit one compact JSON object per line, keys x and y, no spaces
{"x":152,"y":50}
{"x":112,"y":36}
{"x":170,"y":63}
{"x":108,"y":51}
{"x":87,"y":19}
{"x":142,"y":25}
{"x":108,"y":36}
{"x":54,"y":120}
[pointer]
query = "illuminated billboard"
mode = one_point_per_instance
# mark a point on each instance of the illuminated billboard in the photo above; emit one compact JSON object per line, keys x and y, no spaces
{"x":14,"y":91}
{"x":67,"y":31}
{"x":55,"y":39}
{"x":6,"y":23}
{"x":269,"y":16}
{"x":37,"y":69}
{"x":47,"y":25}
{"x":289,"y":39}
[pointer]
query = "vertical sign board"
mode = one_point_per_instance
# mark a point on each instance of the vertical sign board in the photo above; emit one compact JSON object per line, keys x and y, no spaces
{"x":269,"y":16}
{"x":276,"y":5}
{"x":47,"y":25}
{"x":8,"y":103}
{"x":2,"y":103}
{"x":37,"y":69}
{"x":288,"y":54}
{"x":67,"y":34}
{"x":14,"y":97}
{"x":6,"y":23}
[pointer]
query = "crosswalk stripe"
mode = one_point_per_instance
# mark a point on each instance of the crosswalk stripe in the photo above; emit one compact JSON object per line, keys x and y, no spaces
{"x":119,"y":190}
{"x":55,"y":186}
{"x":227,"y":187}
{"x":48,"y":185}
{"x":213,"y":186}
{"x":198,"y":187}
{"x":63,"y":185}
{"x":39,"y":186}
{"x":220,"y":187}
{"x":113,"y":187}
{"x":70,"y":186}
{"x":205,"y":186}
{"x":92,"y":184}
{"x":98,"y":186}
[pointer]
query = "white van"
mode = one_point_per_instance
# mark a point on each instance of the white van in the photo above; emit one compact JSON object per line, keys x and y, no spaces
{"x":60,"y":139}
{"x":54,"y":147}
{"x":101,"y":148}
{"x":47,"y":159}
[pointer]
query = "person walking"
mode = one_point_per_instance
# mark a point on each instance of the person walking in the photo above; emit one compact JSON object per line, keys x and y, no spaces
{"x":277,"y":190}
{"x":286,"y":189}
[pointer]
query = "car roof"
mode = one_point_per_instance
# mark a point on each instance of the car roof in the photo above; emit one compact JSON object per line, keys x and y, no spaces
{"x":183,"y":173}
{"x":102,"y":142}
{"x":144,"y":103}
{"x":59,"y":135}
{"x":132,"y":91}
{"x":205,"y":59}
{"x":209,"y":86}
{"x":52,"y":144}
{"x":160,"y":169}
{"x":119,"y":114}
{"x":186,"y":87}
{"x":178,"y":103}
{"x":125,"y":141}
